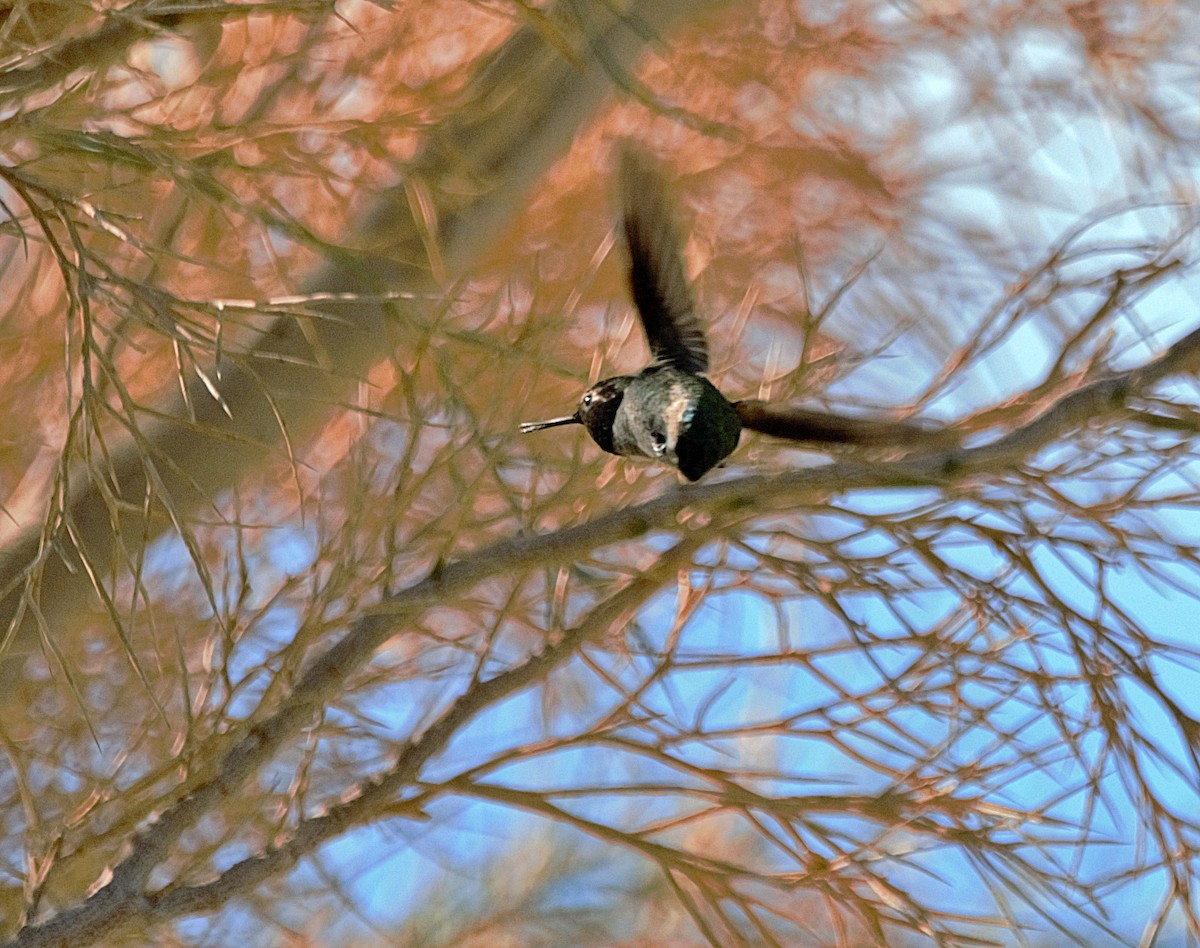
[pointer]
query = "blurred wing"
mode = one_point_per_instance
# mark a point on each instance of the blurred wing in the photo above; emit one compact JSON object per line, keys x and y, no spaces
{"x":656,"y":273}
{"x":803,"y":424}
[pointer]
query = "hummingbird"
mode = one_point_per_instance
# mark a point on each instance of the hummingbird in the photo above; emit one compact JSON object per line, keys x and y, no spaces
{"x":669,"y":411}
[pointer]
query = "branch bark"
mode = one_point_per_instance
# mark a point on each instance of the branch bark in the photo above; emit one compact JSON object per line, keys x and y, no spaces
{"x":521,"y":113}
{"x":698,"y":512}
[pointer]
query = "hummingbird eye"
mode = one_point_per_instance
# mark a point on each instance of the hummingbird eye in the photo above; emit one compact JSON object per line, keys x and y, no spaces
{"x":587,"y":399}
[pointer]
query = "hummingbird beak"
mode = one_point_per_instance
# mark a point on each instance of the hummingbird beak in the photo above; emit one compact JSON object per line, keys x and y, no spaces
{"x":528,"y":426}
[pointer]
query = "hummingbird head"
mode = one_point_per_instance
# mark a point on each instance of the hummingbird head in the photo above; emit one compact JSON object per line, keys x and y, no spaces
{"x":597,"y":411}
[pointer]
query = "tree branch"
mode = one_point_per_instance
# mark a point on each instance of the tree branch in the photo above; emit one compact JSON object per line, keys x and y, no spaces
{"x":704,"y":511}
{"x":476,"y":169}
{"x":124,"y":899}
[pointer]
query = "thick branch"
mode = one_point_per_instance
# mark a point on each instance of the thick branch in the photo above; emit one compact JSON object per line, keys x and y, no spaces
{"x":124,"y":900}
{"x":476,"y":169}
{"x":724,"y":503}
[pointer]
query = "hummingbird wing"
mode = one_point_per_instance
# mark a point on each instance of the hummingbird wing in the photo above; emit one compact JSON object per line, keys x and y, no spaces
{"x":804,"y":424}
{"x":656,"y":273}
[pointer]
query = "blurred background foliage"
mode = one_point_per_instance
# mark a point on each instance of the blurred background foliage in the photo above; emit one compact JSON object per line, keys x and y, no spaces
{"x":952,"y":713}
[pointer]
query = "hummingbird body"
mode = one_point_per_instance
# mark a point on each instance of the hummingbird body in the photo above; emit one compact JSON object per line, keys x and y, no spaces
{"x":668,"y":411}
{"x":675,"y":417}
{"x":661,"y":413}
